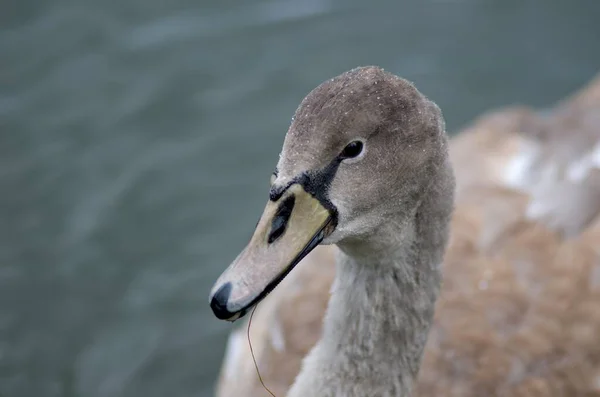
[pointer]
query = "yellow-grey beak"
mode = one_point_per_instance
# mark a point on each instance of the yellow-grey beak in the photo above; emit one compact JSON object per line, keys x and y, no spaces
{"x":288,"y":230}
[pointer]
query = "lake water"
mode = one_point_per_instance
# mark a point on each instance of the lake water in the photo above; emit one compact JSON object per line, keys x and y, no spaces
{"x":137,"y":138}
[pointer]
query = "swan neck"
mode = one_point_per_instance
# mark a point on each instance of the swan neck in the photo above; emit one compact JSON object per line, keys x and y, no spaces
{"x":376,"y":325}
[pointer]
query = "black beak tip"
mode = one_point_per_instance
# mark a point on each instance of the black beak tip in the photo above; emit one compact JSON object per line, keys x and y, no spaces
{"x":218,"y":303}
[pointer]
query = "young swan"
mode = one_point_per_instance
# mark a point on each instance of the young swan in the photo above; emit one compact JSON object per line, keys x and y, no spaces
{"x":364,"y":166}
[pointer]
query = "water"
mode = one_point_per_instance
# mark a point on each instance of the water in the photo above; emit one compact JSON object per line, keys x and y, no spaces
{"x":138,"y":137}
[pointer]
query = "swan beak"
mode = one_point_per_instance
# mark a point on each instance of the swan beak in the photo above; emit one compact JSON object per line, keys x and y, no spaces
{"x":288,"y":230}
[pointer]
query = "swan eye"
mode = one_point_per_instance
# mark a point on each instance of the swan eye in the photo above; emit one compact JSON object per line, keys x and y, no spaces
{"x":352,"y":150}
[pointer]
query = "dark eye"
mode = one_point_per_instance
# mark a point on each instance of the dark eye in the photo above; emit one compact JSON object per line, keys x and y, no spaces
{"x":351,"y":150}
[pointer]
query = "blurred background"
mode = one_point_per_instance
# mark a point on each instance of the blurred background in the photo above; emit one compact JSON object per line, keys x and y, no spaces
{"x":137,"y":138}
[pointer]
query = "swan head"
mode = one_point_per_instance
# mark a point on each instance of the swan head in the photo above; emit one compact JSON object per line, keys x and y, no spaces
{"x":361,"y":150}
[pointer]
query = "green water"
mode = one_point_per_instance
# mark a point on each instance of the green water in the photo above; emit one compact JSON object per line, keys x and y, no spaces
{"x":137,"y":138}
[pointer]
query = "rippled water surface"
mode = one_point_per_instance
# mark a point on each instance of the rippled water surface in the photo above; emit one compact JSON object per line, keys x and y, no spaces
{"x":137,"y":138}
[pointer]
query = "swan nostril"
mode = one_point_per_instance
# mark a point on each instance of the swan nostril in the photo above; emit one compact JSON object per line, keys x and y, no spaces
{"x":281,"y":218}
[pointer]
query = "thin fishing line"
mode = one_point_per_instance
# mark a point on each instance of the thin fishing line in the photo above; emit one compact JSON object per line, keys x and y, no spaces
{"x":254,"y":358}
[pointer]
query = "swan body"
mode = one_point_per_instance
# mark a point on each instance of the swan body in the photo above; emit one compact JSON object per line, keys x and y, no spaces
{"x":517,"y":313}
